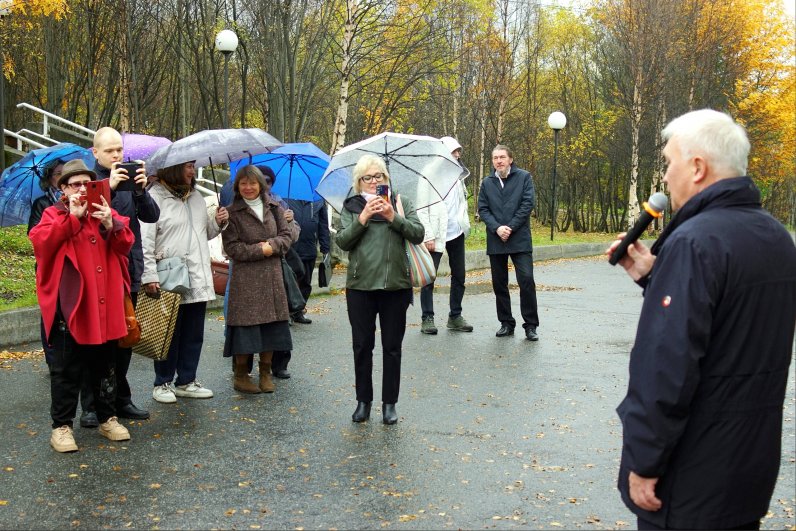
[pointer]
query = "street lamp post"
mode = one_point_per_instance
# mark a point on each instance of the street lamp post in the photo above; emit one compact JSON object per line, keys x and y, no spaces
{"x":226,"y":43}
{"x":557,"y":121}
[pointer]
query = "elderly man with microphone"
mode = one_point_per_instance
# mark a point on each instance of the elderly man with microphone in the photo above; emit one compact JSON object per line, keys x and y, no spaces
{"x":702,"y":418}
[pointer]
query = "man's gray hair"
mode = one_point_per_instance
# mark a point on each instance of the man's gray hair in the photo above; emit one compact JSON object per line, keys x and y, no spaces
{"x":713,"y":135}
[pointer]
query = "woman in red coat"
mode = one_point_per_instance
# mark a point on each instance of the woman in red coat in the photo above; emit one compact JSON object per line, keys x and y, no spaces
{"x":81,"y":251}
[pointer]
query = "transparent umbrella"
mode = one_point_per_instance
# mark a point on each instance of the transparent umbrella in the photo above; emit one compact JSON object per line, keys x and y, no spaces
{"x":213,"y":146}
{"x":421,"y":168}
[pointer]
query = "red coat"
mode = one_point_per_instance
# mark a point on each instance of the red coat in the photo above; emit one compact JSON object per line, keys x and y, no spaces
{"x":85,"y":266}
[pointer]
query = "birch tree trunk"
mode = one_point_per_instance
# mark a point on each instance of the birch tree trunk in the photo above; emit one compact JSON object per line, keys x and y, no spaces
{"x":338,"y":134}
{"x":635,"y":128}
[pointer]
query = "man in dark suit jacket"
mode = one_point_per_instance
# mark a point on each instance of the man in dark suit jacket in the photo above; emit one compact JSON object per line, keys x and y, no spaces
{"x":138,"y":206}
{"x":702,"y":419}
{"x":505,"y":203}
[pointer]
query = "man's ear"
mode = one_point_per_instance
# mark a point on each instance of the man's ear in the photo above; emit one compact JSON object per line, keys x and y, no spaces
{"x":700,"y":168}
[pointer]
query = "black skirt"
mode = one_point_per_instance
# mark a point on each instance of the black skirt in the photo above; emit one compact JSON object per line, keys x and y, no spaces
{"x":266,"y":337}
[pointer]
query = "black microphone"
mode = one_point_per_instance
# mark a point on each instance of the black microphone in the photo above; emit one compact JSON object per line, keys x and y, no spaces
{"x":652,"y":209}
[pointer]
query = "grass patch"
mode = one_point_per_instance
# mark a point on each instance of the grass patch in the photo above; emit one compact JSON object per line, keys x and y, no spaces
{"x":17,"y":277}
{"x":540,"y":234}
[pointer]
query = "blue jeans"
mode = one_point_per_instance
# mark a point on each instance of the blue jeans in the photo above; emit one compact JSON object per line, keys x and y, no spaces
{"x":455,"y":249}
{"x":185,"y":348}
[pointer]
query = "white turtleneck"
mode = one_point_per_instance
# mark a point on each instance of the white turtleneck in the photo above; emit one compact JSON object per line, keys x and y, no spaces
{"x":256,"y":205}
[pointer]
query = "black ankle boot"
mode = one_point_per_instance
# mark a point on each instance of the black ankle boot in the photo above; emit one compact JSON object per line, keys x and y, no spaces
{"x":362,"y":412}
{"x":389,"y":414}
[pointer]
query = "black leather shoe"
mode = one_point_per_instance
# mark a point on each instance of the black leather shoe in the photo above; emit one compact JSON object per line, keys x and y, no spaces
{"x":530,"y":334}
{"x":362,"y":412}
{"x":281,"y":373}
{"x":300,"y":318}
{"x":88,"y":419}
{"x":505,"y":330}
{"x":130,"y":411}
{"x":388,"y":413}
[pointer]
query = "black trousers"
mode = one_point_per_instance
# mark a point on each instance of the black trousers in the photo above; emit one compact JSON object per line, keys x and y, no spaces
{"x":86,"y":394}
{"x":523,"y":268}
{"x":279,"y":360}
{"x":305,"y":280}
{"x":455,"y":249}
{"x":70,"y":362}
{"x":644,"y":524}
{"x":363,"y":307}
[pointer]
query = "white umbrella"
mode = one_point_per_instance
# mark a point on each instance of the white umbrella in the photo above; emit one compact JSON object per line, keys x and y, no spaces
{"x":415,"y":163}
{"x":213,"y":146}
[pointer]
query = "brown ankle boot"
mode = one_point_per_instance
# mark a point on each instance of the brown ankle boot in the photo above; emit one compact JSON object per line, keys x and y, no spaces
{"x":266,"y":384}
{"x":243,"y":381}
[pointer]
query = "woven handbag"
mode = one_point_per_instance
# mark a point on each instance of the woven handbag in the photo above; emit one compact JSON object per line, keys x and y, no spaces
{"x":157,"y":317}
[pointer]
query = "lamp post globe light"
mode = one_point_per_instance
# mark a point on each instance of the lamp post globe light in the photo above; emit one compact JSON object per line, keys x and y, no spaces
{"x":557,"y":121}
{"x":226,"y":43}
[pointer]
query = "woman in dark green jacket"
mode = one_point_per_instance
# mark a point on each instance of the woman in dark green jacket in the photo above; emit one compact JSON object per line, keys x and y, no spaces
{"x":378,"y":281}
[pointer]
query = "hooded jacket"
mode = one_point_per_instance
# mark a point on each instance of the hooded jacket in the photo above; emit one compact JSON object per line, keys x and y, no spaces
{"x":183,"y":229}
{"x":709,"y":367}
{"x":376,"y":254}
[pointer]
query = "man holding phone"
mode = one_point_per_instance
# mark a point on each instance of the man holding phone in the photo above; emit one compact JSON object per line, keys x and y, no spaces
{"x":130,"y":198}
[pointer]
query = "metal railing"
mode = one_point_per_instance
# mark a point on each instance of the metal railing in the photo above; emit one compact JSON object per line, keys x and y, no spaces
{"x":21,"y":139}
{"x":46,"y":116}
{"x":34,"y":134}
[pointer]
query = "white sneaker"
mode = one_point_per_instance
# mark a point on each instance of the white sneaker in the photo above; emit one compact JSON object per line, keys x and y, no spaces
{"x":193,"y":390}
{"x":164,"y":393}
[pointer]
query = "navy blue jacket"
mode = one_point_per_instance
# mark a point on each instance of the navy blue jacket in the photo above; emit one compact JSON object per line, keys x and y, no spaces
{"x":313,"y":220}
{"x":709,"y":367}
{"x":136,"y":206}
{"x":509,"y":205}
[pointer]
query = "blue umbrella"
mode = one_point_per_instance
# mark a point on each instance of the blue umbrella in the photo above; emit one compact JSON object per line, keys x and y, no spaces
{"x":19,"y":183}
{"x":298,"y":168}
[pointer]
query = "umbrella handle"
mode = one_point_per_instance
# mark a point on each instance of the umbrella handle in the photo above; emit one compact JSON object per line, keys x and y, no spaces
{"x":215,"y":185}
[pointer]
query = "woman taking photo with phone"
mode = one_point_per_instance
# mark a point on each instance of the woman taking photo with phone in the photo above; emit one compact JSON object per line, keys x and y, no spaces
{"x":378,"y":282}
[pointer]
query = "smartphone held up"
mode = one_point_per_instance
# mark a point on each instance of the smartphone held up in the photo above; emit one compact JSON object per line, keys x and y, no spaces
{"x":95,"y":190}
{"x":383,"y":191}
{"x":131,"y":167}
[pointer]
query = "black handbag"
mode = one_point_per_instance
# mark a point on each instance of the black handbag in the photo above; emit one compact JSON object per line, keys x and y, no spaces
{"x":295,"y":300}
{"x":324,"y":271}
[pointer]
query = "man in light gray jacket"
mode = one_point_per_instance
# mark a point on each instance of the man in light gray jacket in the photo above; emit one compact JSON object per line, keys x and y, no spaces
{"x":447,"y":224}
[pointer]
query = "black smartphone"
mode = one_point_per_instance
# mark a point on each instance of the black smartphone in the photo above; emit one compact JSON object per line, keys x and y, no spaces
{"x":132,"y":168}
{"x":95,"y":190}
{"x":383,"y":191}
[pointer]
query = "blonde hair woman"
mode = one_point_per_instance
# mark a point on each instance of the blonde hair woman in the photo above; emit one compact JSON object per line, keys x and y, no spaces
{"x":377,"y":282}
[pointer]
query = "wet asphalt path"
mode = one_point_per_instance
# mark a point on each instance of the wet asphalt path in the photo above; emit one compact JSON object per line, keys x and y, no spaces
{"x":493,"y":433}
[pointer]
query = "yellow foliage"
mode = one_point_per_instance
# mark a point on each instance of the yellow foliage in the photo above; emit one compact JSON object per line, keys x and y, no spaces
{"x":765,"y":93}
{"x":46,"y":8}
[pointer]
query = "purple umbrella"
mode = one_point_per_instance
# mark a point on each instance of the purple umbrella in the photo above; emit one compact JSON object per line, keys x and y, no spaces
{"x":140,"y":147}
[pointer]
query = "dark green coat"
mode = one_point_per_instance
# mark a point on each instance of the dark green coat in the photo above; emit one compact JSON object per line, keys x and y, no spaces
{"x":376,"y":253}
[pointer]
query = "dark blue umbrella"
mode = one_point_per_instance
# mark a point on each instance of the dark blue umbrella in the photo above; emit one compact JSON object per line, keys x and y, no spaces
{"x":19,"y":183}
{"x":298,"y":168}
